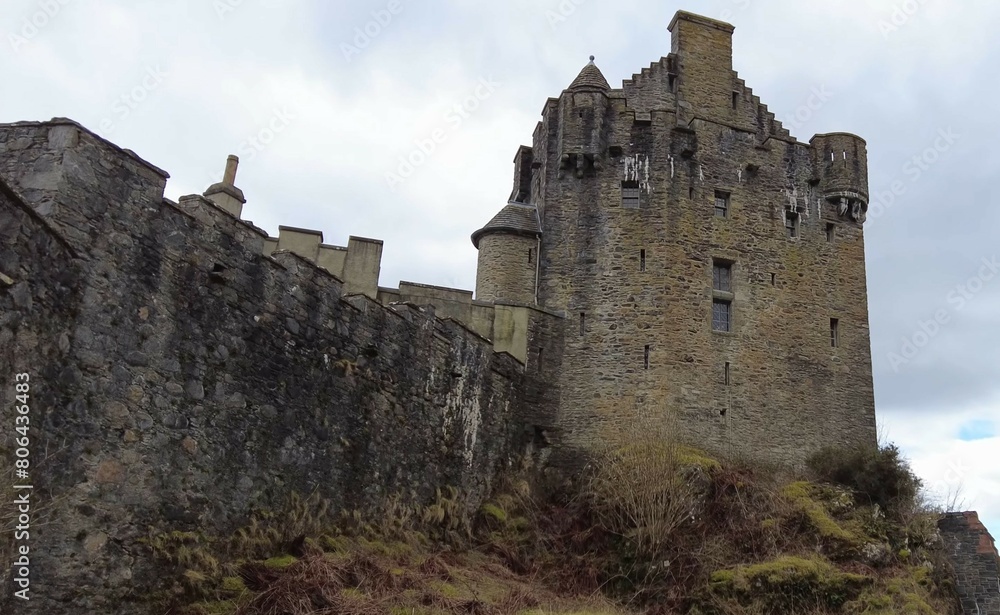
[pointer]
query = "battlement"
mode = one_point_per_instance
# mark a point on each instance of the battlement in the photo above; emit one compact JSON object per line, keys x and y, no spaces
{"x":70,"y":153}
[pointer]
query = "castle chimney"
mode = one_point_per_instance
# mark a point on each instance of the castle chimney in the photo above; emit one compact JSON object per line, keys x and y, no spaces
{"x":225,"y":194}
{"x":704,"y":49}
{"x":232,"y":163}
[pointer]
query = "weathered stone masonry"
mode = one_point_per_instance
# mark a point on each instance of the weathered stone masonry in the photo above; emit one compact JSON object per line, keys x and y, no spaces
{"x":619,"y":189}
{"x":188,"y":369}
{"x":976,"y":562}
{"x":182,"y":379}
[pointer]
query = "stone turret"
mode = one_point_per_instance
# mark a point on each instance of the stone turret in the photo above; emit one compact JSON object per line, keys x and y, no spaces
{"x":840,"y":162}
{"x":583,"y":108}
{"x":508,"y":255}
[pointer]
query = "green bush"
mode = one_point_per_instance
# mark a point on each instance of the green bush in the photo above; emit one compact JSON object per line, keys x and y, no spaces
{"x":877,"y":475}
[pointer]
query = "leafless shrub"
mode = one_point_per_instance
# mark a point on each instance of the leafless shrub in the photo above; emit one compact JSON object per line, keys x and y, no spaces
{"x":644,"y":488}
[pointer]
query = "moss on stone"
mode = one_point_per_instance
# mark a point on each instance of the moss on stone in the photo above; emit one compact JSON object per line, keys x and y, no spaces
{"x":233,"y":584}
{"x":907,"y":594}
{"x":788,"y":582}
{"x":688,"y":456}
{"x":280,"y":562}
{"x":807,"y":500}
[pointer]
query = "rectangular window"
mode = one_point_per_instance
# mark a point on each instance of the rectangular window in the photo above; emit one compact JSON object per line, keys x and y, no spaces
{"x":792,"y":224}
{"x":583,"y":323}
{"x":834,"y":333}
{"x":728,"y":381}
{"x":642,"y":260}
{"x":646,"y":358}
{"x":722,"y":277}
{"x":774,"y":279}
{"x":630,"y":195}
{"x":721,"y":315}
{"x":831,"y":232}
{"x":721,"y":204}
{"x":672,"y":82}
{"x":691,"y":192}
{"x":531,"y":255}
{"x":736,"y":99}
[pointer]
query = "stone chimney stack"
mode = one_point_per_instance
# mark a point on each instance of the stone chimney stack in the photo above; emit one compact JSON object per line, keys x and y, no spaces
{"x":225,"y":194}
{"x":704,"y":49}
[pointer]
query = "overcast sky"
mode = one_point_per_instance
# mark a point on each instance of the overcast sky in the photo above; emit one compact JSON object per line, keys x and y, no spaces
{"x":321,"y":113}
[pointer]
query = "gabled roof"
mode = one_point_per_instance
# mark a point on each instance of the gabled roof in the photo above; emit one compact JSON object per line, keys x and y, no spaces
{"x":590,"y":78}
{"x":516,"y":218}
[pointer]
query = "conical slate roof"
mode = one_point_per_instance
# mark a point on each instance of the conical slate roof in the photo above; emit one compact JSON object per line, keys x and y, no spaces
{"x":590,"y":78}
{"x":516,"y":218}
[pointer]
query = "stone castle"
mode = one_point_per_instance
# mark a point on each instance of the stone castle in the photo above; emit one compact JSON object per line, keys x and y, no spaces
{"x":669,"y":252}
{"x":699,"y":259}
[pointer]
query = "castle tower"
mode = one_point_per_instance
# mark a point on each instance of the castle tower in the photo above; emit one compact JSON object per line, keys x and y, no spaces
{"x":508,"y":255}
{"x":709,"y":266}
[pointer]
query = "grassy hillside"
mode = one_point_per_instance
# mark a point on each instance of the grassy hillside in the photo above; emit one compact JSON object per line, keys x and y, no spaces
{"x":652,"y":528}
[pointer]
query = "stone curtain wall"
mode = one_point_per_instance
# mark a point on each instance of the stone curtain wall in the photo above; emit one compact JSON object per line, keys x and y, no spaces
{"x":977,"y":565}
{"x":184,"y":380}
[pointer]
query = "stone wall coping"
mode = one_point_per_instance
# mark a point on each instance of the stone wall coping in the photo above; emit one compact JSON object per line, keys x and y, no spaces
{"x":837,"y":134}
{"x":218,"y":210}
{"x":700,"y":20}
{"x":65,"y":121}
{"x":306,"y":231}
{"x":432,"y":287}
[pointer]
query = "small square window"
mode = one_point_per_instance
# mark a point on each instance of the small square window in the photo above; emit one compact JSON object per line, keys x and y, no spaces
{"x":721,"y":315}
{"x":721,"y":204}
{"x":630,"y":195}
{"x":792,"y":224}
{"x":722,"y":277}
